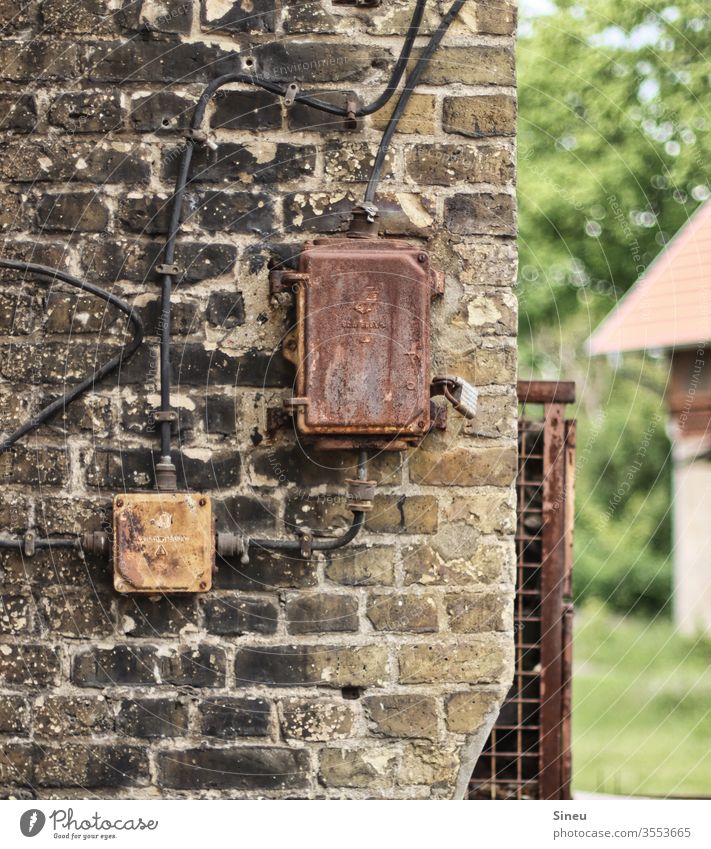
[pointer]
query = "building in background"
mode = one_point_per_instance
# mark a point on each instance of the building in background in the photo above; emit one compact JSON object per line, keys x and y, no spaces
{"x":669,"y":308}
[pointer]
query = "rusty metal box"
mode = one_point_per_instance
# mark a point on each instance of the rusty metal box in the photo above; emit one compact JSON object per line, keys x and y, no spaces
{"x":363,"y":339}
{"x":163,"y":542}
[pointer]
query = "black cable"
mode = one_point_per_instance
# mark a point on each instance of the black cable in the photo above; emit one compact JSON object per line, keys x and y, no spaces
{"x":182,"y":180}
{"x":63,"y":401}
{"x":407,"y":91}
{"x":19,"y":544}
{"x":322,"y":544}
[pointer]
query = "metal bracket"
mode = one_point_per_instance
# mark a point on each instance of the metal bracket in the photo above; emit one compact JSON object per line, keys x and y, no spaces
{"x":164,"y":415}
{"x":28,"y":543}
{"x":351,"y":122}
{"x":291,"y":92}
{"x":201,"y":137}
{"x":285,"y":280}
{"x":168,"y":270}
{"x":292,"y":405}
{"x":360,"y":495}
{"x":307,"y":543}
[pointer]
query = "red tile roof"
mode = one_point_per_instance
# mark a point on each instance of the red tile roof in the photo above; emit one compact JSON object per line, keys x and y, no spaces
{"x":670,"y":305}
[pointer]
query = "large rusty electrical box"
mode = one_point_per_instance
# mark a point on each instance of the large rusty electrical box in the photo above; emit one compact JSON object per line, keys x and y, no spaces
{"x":362,"y":341}
{"x":163,"y":542}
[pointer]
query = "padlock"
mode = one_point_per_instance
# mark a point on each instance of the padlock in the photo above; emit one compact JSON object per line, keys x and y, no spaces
{"x":460,"y":394}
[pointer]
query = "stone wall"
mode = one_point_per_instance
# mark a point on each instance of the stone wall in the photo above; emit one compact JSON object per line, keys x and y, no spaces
{"x":375,"y":672}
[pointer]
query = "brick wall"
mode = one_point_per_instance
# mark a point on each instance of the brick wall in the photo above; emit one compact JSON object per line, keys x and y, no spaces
{"x":374,"y":672}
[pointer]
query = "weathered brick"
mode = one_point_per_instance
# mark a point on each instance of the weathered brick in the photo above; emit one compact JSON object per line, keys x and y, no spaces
{"x":240,"y":513}
{"x":319,"y":62}
{"x":265,"y":572}
{"x":418,"y":117}
{"x":17,"y":763}
{"x":477,"y":612}
{"x":400,"y":612}
{"x":225,"y":309}
{"x":203,"y":666}
{"x":496,"y":417}
{"x":33,"y":61}
{"x":235,"y":212}
{"x":308,"y":18}
{"x":466,"y":712}
{"x":16,"y":614}
{"x":403,"y":514}
{"x":479,"y":115}
{"x":136,"y":60}
{"x":92,"y":765}
{"x":302,"y":117}
{"x":465,"y":467}
{"x":356,"y":767}
{"x":160,"y":111}
{"x":14,"y":715}
{"x":299,"y":665}
{"x":135,"y":467}
{"x":448,"y":164}
{"x":364,"y":567}
{"x":151,"y":617}
{"x":237,"y":16}
{"x":484,"y":563}
{"x":147,"y":216}
{"x":166,"y":17}
{"x":480,"y":661}
{"x":257,"y":163}
{"x":228,"y":718}
{"x":246,"y":110}
{"x":315,"y":719}
{"x":29,"y":665}
{"x":56,"y":717}
{"x":430,"y":764}
{"x":481,"y":213}
{"x":86,"y":111}
{"x":496,"y":17}
{"x":46,"y":468}
{"x":19,"y":113}
{"x":85,"y":211}
{"x":491,"y":510}
{"x":481,"y":65}
{"x":91,"y":17}
{"x":193,"y":365}
{"x":75,"y":616}
{"x":352,"y":162}
{"x":319,"y":612}
{"x":402,"y":715}
{"x":246,"y":768}
{"x":487,"y":365}
{"x":152,"y":717}
{"x":487,"y":262}
{"x":236,"y":614}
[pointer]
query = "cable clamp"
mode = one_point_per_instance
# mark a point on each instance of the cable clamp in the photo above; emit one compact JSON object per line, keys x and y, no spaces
{"x":164,"y":415}
{"x":306,"y":539}
{"x":168,"y":269}
{"x":201,"y":137}
{"x":28,"y":543}
{"x":292,"y":91}
{"x":360,"y":495}
{"x":351,"y":122}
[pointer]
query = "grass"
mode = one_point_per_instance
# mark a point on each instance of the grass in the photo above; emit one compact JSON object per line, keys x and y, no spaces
{"x":641,"y":707}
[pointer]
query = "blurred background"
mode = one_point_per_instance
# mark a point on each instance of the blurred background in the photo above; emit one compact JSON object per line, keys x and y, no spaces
{"x":614,"y":152}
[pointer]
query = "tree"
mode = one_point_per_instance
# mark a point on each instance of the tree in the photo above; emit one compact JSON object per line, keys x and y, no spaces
{"x":615,"y":137}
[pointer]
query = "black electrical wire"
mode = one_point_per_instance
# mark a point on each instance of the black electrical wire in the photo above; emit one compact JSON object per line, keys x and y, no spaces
{"x":405,"y":96}
{"x":182,"y":181}
{"x":322,"y":544}
{"x":19,"y":544}
{"x":64,"y":400}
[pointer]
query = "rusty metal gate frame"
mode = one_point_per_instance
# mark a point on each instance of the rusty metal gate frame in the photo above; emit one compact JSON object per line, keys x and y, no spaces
{"x":528,"y":753}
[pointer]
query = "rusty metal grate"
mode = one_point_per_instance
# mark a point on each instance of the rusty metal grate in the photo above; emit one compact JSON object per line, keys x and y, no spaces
{"x":527,"y":755}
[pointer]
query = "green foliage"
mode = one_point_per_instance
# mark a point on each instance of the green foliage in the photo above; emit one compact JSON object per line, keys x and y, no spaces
{"x":641,"y":719}
{"x":614,"y":141}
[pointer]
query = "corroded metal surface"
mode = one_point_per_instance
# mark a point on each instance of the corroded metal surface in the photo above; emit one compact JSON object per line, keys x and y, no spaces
{"x":363,"y":339}
{"x":163,"y":542}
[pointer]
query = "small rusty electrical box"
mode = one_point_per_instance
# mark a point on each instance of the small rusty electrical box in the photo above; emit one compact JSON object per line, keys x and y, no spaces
{"x":362,"y":341}
{"x":163,"y":542}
